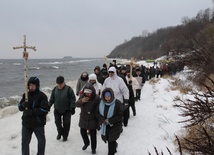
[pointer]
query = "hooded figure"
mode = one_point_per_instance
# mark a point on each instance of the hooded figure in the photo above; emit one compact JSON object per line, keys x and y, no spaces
{"x":93,"y":80}
{"x":88,"y":102}
{"x":117,"y":84}
{"x":110,"y":118}
{"x":35,"y":81}
{"x":81,"y":82}
{"x":34,"y":116}
{"x":97,"y":71}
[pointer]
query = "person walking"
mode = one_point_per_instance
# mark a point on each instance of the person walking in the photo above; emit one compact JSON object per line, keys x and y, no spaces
{"x":88,"y":102}
{"x":97,"y":72}
{"x":110,"y":117}
{"x":117,"y":84}
{"x":140,"y":82}
{"x":63,"y":99}
{"x":81,"y":82}
{"x":34,"y":117}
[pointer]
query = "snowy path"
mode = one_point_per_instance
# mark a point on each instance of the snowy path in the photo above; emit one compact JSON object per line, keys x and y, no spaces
{"x":154,"y":125}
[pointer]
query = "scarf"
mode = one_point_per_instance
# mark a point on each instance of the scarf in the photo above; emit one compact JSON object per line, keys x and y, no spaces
{"x":109,"y":114}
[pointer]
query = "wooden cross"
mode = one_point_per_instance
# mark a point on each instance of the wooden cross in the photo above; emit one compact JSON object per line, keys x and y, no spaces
{"x":106,"y":61}
{"x":25,"y":57}
{"x":132,"y":63}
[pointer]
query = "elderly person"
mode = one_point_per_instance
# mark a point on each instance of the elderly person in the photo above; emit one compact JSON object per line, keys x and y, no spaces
{"x":63,"y":99}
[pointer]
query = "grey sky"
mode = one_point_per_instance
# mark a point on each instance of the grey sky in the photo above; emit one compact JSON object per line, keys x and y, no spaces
{"x":85,"y":28}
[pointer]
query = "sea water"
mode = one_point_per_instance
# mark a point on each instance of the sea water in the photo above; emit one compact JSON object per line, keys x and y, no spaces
{"x":47,"y":70}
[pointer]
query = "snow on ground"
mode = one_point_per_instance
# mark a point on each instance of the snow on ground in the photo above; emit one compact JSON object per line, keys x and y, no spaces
{"x":155,"y":124}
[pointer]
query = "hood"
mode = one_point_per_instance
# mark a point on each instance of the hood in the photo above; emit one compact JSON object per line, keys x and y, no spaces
{"x":113,"y":69}
{"x":93,"y":77}
{"x":97,"y":67}
{"x":84,"y":76}
{"x":34,"y":80}
{"x":107,"y":90}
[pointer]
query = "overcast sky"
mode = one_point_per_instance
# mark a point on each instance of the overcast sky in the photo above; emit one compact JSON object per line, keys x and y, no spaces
{"x":85,"y":28}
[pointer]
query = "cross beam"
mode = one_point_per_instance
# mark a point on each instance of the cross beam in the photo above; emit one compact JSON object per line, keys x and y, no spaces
{"x":25,"y":57}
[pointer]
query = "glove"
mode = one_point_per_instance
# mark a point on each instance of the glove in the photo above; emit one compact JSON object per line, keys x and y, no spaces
{"x":28,"y":112}
{"x":98,"y":128}
{"x":106,"y":122}
{"x":25,"y":104}
{"x":72,"y":111}
{"x":126,"y":104}
{"x":84,"y":99}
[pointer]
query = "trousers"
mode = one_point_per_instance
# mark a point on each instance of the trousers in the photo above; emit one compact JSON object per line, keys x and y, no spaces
{"x":26,"y":138}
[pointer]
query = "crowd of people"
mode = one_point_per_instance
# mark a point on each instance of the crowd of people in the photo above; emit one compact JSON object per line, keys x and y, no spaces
{"x":104,"y":97}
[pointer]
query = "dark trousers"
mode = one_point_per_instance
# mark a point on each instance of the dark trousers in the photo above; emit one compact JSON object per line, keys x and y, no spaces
{"x":138,"y":93}
{"x":93,"y":136}
{"x":63,"y":122}
{"x":112,"y":147}
{"x":26,"y":138}
{"x":132,"y":105}
{"x":126,"y":116}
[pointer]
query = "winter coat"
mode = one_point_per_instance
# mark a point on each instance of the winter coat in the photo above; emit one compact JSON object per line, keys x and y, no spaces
{"x":140,"y":81}
{"x":62,"y":99}
{"x":112,"y":132}
{"x":89,"y":110}
{"x":35,"y":115}
{"x":118,"y":86}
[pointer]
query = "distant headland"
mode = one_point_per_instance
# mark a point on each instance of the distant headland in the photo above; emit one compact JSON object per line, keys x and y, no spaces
{"x":67,"y":57}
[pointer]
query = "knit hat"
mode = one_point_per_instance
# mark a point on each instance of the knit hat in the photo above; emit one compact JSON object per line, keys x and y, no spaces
{"x":107,"y":94}
{"x":87,"y":91}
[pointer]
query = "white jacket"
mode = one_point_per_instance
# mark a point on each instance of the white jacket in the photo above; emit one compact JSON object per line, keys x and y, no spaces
{"x":117,"y":84}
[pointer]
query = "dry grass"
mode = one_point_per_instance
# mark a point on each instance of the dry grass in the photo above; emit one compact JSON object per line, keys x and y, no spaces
{"x":153,"y":81}
{"x":181,"y":86}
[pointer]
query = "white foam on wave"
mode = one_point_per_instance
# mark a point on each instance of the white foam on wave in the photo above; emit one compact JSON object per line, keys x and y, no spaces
{"x":55,"y":67}
{"x":12,"y":100}
{"x":7,"y":111}
{"x":77,"y":61}
{"x":34,"y":68}
{"x":16,"y":64}
{"x":50,"y":63}
{"x":47,"y":90}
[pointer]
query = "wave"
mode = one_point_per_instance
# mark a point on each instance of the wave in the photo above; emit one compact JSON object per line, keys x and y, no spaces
{"x":17,"y":64}
{"x":55,"y":67}
{"x":34,"y":68}
{"x":50,"y":63}
{"x":78,"y":61}
{"x":13,"y":100}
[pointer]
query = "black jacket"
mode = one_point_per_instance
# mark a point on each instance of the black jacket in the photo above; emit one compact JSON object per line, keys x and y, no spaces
{"x":35,"y":114}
